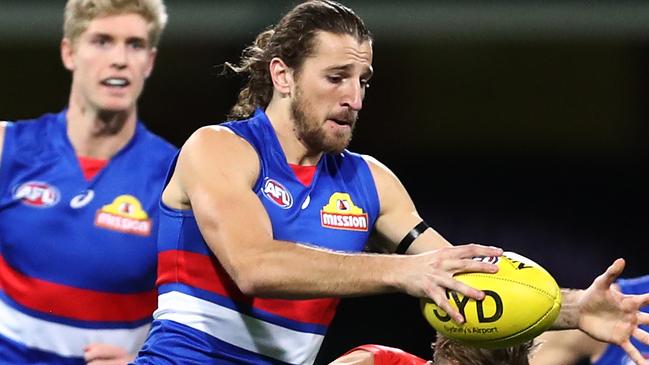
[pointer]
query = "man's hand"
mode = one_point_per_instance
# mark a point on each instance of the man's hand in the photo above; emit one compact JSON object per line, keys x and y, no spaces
{"x":431,"y":274}
{"x":610,"y":316}
{"x":102,"y":354}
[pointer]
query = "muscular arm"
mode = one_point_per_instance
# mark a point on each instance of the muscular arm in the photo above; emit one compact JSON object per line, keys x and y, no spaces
{"x":214,"y":176}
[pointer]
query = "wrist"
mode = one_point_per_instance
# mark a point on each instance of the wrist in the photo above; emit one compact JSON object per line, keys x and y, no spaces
{"x":570,"y":313}
{"x":392,"y":276}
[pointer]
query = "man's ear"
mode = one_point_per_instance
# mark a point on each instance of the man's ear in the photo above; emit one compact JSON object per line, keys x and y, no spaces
{"x":153,"y":53}
{"x":282,"y":76}
{"x":67,"y":53}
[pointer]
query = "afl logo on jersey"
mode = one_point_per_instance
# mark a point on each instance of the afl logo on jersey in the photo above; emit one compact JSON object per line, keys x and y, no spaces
{"x":277,"y":193}
{"x":37,"y":194}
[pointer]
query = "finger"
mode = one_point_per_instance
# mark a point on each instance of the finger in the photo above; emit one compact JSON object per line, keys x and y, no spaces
{"x":643,"y":318}
{"x":439,"y":297}
{"x":469,"y":265}
{"x":633,"y":353}
{"x":462,"y":288}
{"x":474,"y":249}
{"x":605,"y":280}
{"x":641,"y":335}
{"x":641,"y":300}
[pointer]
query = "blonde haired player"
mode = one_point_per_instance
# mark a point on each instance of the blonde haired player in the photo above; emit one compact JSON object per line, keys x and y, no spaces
{"x":446,"y":352}
{"x":79,"y":193}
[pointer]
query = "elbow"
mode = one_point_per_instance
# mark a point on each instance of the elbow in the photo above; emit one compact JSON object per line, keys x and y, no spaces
{"x":249,"y":281}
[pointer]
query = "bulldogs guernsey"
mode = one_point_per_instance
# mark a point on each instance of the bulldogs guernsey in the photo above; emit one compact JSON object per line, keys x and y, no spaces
{"x":615,"y":355}
{"x":202,"y":317}
{"x":77,"y":257}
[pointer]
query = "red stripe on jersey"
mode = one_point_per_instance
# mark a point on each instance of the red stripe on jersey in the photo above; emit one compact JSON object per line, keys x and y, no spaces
{"x":303,"y":173}
{"x":206,"y":273}
{"x":91,"y":166}
{"x":74,"y":303}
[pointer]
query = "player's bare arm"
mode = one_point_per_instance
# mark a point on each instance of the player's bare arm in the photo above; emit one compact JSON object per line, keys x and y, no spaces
{"x":216,"y":171}
{"x":565,"y":347}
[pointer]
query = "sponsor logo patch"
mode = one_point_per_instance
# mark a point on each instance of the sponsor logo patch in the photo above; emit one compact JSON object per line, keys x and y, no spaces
{"x":124,"y":214}
{"x":37,"y":194}
{"x":82,"y":199}
{"x":341,"y":213}
{"x":277,"y":193}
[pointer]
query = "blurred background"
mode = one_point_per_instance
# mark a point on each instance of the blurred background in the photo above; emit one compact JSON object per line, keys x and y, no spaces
{"x":521,"y":124}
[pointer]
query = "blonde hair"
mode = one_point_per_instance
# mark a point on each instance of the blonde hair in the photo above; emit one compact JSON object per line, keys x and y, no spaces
{"x":457,"y":353}
{"x":79,"y":13}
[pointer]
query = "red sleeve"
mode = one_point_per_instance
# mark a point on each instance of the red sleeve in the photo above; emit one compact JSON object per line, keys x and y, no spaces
{"x":384,"y":355}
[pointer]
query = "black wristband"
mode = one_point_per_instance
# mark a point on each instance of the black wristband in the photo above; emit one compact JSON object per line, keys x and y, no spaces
{"x":410,"y":237}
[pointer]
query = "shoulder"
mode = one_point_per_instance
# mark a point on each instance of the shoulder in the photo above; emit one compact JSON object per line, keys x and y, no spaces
{"x":3,"y":127}
{"x":379,"y":170}
{"x":217,"y":138}
{"x":220,"y":150}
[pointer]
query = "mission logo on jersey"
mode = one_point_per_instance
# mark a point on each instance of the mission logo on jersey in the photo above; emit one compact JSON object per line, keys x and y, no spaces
{"x":341,"y":213}
{"x":124,"y":214}
{"x":37,"y":194}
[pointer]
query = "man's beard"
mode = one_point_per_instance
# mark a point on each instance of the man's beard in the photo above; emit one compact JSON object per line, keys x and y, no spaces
{"x":311,"y":132}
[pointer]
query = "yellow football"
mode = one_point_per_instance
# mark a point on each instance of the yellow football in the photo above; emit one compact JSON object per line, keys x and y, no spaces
{"x":521,"y":300}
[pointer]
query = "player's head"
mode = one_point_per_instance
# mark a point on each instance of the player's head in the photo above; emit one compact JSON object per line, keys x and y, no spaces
{"x":110,"y":47}
{"x":449,"y":352}
{"x":79,"y":13}
{"x":315,"y":63}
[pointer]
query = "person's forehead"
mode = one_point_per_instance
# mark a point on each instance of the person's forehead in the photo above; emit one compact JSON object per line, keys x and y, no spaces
{"x":124,"y":22}
{"x":342,"y":47}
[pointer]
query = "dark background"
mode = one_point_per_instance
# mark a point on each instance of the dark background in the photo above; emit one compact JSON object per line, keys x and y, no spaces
{"x":521,"y":124}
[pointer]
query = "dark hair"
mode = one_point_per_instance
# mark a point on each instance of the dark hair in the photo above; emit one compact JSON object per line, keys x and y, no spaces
{"x":459,"y":353}
{"x":291,"y":40}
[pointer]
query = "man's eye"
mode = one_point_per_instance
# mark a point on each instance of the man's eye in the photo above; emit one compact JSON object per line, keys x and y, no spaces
{"x":137,"y":45}
{"x":334,"y":79}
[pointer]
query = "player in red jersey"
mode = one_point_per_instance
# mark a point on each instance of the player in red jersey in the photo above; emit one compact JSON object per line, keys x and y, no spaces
{"x":446,"y":352}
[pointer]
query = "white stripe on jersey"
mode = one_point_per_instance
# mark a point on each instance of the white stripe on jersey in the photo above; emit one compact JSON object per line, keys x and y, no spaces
{"x":64,"y":340}
{"x":238,"y":329}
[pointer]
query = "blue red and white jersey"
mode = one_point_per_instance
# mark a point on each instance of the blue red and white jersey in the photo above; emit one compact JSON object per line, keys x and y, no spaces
{"x":77,"y":258}
{"x":615,"y":355}
{"x":201,"y":313}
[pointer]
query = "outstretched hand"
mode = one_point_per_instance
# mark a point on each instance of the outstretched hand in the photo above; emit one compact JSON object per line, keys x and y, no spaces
{"x":608,"y":315}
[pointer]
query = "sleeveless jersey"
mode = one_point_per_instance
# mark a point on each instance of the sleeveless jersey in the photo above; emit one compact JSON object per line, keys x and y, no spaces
{"x":203,"y":318}
{"x":384,"y":355}
{"x":615,"y":355}
{"x":77,"y":257}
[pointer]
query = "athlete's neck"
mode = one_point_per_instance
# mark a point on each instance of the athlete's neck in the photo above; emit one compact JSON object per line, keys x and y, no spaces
{"x":99,"y":134}
{"x":295,"y":150}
